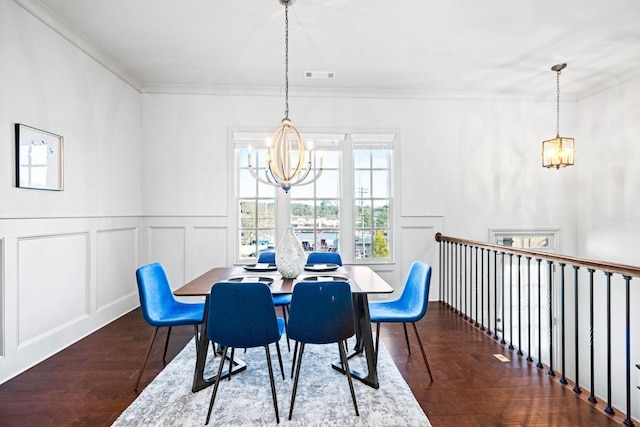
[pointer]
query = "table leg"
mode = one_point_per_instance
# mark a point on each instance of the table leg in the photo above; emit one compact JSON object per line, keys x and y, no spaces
{"x":199,"y":380}
{"x":364,"y":342}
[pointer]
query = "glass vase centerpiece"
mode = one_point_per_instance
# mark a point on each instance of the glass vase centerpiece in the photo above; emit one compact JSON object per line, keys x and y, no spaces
{"x":290,"y":257}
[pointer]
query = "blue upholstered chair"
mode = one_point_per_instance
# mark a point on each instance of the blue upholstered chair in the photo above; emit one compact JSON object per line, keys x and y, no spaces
{"x":267,"y":257}
{"x":324,"y":258}
{"x":243,"y":315}
{"x":321,"y":313}
{"x":411,"y":306}
{"x":160,"y":308}
{"x":282,"y":301}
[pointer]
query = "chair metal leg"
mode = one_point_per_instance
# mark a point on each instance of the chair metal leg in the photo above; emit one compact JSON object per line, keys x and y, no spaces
{"x":406,"y":336}
{"x":166,"y":344}
{"x":285,"y":310}
{"x":424,"y":355}
{"x":377,"y":343}
{"x":345,"y":363}
{"x":233,"y":352}
{"x":215,"y":386}
{"x":280,"y":360}
{"x":146,"y":358}
{"x":293,"y":363}
{"x":273,"y":384}
{"x":295,"y":381}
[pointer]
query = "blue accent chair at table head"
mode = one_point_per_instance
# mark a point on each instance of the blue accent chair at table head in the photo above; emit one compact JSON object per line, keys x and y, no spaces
{"x":282,"y":301}
{"x":243,"y":315}
{"x":410,"y":306}
{"x":324,"y":258}
{"x":267,"y":257}
{"x":321,"y":313}
{"x":160,"y":308}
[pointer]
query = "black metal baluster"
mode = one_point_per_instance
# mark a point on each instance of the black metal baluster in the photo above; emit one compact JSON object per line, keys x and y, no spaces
{"x":576,"y":387}
{"x":511,"y":302}
{"x":592,"y":397}
{"x":539,"y":364}
{"x":465,"y":293}
{"x":563,"y":380}
{"x":476,"y":287}
{"x":495,"y":294}
{"x":519,"y":352}
{"x":529,"y":358}
{"x":550,"y":371}
{"x":504,"y":328}
{"x":441,"y":271}
{"x":627,"y":279}
{"x":489,"y":292}
{"x":608,"y":409}
{"x":482,"y":290}
{"x":456,"y":275}
{"x":449,"y":274}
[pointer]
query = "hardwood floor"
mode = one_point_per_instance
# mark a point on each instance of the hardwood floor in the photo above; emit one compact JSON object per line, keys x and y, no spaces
{"x":91,"y":382}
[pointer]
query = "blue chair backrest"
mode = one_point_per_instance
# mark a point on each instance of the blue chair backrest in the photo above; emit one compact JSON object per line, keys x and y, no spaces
{"x":321,"y":312}
{"x":268,"y":257}
{"x":415,"y":295}
{"x":242,"y":315}
{"x":156,"y":297}
{"x":324,"y":258}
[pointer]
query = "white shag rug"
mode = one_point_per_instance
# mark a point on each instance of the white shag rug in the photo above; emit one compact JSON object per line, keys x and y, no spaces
{"x":322,"y":399}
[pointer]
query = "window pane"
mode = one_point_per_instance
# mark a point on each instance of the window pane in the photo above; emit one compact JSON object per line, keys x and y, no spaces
{"x":246,"y":184}
{"x":266,"y":214}
{"x":363,"y":213}
{"x":362,"y":243}
{"x":380,"y":247}
{"x":330,"y":159}
{"x":328,"y":185}
{"x":302,"y":213}
{"x":248,"y":246}
{"x":328,"y":214}
{"x":381,"y":213}
{"x":381,"y":159}
{"x":247,"y":214}
{"x":362,"y":180}
{"x":380,"y":183}
{"x":362,"y":159}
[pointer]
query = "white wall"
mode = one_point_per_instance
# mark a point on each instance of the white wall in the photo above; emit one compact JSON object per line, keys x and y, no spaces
{"x":67,"y":257}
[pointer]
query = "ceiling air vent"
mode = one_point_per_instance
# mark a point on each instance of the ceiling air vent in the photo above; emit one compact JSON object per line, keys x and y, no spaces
{"x":320,"y":75}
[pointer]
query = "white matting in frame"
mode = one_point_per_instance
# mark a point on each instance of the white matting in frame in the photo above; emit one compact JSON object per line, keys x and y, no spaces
{"x":38,"y":159}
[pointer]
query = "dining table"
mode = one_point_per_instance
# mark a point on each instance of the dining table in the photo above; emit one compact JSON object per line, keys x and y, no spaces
{"x":362,"y":279}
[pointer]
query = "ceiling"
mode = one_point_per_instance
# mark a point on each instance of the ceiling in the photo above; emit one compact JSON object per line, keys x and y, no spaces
{"x":452,"y":48}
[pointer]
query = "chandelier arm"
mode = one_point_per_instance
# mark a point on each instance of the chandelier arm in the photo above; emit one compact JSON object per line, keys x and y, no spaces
{"x":257,"y":177}
{"x":314,"y":179}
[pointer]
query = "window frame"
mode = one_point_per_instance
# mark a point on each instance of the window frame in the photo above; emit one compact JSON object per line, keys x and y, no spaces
{"x":347,"y":141}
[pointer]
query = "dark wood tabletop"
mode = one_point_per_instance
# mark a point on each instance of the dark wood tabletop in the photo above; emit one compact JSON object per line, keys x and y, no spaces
{"x":362,"y":279}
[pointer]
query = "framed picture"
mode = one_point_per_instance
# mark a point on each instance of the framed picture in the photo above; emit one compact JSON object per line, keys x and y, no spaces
{"x":38,"y":159}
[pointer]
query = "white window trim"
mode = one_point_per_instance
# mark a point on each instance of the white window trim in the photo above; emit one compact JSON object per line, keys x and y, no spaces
{"x":374,"y":138}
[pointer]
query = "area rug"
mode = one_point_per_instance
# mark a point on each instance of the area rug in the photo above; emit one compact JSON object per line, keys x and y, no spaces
{"x":322,"y":399}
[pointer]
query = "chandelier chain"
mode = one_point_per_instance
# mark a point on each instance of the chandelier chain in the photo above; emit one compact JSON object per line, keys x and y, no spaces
{"x":558,"y":104}
{"x":286,"y":61}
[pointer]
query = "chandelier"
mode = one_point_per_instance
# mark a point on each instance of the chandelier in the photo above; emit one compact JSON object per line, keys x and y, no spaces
{"x":558,"y":152}
{"x":288,"y":161}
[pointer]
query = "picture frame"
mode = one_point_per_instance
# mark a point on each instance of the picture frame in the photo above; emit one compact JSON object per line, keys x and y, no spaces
{"x":39,"y":159}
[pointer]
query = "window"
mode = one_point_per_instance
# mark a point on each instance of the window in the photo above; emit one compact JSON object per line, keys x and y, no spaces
{"x":354,"y":189}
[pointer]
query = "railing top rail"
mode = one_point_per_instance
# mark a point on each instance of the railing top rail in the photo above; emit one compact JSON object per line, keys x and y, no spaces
{"x":607,"y":267}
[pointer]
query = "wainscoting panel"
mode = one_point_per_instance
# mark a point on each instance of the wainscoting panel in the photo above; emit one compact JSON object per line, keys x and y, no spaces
{"x":53,"y":279}
{"x":117,"y":260}
{"x":418,"y":242}
{"x":167,"y":246}
{"x":208,"y":247}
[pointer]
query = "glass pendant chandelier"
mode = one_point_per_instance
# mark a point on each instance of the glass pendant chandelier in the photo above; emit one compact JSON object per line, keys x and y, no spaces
{"x":288,"y":161}
{"x":558,"y":152}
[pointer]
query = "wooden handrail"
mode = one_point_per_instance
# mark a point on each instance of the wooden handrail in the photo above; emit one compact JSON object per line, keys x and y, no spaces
{"x":609,"y":267}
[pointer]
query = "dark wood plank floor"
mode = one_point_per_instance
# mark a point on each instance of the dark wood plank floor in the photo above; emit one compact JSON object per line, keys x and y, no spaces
{"x":91,"y":382}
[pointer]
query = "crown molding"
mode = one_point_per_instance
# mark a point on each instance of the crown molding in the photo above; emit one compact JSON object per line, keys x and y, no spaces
{"x":62,"y":28}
